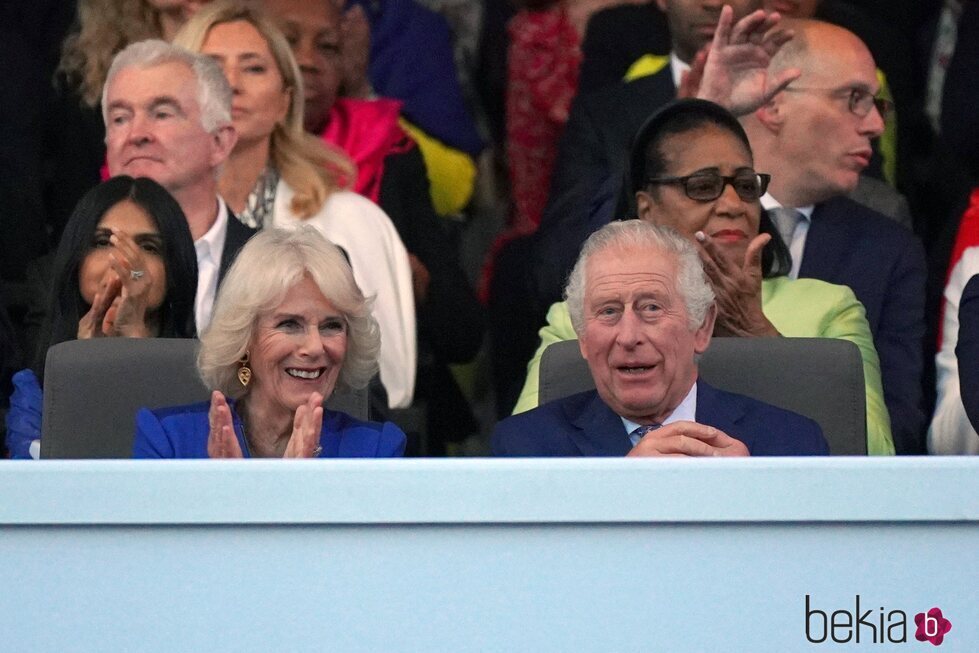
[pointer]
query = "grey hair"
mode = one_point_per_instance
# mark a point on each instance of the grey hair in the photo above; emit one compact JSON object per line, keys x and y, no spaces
{"x":266,"y":268}
{"x":213,"y":90}
{"x":691,"y":281}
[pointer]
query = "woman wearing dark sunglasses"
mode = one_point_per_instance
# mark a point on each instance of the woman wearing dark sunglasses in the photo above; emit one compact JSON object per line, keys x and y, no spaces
{"x":691,"y":169}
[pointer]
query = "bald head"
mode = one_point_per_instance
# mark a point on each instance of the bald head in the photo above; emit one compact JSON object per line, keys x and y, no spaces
{"x":819,"y":49}
{"x":815,"y":136}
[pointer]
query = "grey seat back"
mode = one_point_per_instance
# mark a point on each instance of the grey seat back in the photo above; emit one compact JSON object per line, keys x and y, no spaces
{"x":821,"y":378}
{"x":93,"y":388}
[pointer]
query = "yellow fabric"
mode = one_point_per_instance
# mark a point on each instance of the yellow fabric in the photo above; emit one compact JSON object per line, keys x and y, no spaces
{"x":799,"y":308}
{"x":648,"y":64}
{"x":888,"y":140}
{"x":451,"y":172}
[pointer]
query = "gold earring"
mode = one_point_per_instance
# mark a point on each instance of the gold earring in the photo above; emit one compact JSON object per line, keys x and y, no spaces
{"x":244,"y":372}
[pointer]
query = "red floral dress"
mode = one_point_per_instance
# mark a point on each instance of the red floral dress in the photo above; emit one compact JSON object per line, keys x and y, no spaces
{"x":542,"y":78}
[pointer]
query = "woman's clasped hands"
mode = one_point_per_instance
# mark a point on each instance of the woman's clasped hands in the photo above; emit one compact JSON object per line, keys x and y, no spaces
{"x":121,"y":304}
{"x":307,"y":424}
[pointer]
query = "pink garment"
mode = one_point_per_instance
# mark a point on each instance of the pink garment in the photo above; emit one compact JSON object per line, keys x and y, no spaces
{"x":368,"y":131}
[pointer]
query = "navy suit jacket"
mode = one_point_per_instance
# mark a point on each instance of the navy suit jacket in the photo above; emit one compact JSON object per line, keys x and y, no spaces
{"x":884,"y":264}
{"x":593,"y":150}
{"x":582,"y":425}
{"x":237,"y":235}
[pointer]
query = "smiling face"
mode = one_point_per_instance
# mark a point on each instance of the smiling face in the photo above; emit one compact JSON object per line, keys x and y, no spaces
{"x":153,"y":128}
{"x":312,"y":28}
{"x":298,"y":348}
{"x":822,"y":146}
{"x":259,"y":98}
{"x":692,"y":22}
{"x":729,"y":220}
{"x":636,"y":335}
{"x":130,"y":218}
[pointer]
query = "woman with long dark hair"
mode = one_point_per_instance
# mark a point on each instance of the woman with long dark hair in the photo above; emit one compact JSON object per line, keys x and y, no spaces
{"x":125,"y":267}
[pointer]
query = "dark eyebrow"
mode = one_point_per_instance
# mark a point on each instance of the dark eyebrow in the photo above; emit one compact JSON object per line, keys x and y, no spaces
{"x":857,"y":86}
{"x":716,"y":170}
{"x":712,"y":169}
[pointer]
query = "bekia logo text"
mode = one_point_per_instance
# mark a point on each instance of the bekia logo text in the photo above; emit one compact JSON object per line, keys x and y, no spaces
{"x":872,"y":626}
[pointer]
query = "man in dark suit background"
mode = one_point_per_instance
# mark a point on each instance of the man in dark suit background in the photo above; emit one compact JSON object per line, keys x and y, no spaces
{"x":601,"y":124}
{"x":815,"y":138}
{"x":644,"y":311}
{"x":167,"y":116}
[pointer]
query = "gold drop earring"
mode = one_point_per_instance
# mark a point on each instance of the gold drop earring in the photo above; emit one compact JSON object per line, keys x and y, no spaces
{"x":244,"y":372}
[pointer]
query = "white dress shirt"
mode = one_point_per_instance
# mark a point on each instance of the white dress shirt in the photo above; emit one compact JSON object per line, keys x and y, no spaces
{"x":798,"y":242}
{"x":685,"y":412}
{"x":678,"y":68}
{"x":209,"y":248}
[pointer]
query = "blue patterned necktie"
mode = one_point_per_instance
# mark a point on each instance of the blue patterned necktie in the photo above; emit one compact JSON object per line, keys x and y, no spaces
{"x":640,"y":431}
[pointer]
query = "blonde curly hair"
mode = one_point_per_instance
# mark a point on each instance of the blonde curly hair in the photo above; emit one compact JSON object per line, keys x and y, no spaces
{"x":105,"y":27}
{"x":269,"y":264}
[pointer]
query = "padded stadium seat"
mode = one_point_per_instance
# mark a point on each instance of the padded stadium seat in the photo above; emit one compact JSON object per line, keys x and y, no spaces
{"x":93,"y":388}
{"x":821,"y":378}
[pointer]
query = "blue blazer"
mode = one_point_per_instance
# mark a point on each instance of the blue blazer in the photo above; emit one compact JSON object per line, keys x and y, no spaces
{"x":181,"y":432}
{"x":582,"y":425}
{"x":884,"y":264}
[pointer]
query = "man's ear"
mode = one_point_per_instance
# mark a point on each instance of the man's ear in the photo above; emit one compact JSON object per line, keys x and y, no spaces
{"x":582,"y":347}
{"x":704,"y":332}
{"x":224,"y":140}
{"x":644,"y":205}
{"x":771,"y":115}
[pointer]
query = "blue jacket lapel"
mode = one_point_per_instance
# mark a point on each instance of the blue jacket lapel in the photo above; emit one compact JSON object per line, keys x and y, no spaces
{"x":718,"y":409}
{"x":599,"y":431}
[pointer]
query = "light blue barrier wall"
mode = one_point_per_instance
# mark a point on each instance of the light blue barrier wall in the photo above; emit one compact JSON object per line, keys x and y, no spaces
{"x":482,"y":555}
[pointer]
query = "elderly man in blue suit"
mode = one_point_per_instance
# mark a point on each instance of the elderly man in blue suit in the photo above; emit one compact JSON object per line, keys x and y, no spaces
{"x":815,"y":136}
{"x":644,"y":311}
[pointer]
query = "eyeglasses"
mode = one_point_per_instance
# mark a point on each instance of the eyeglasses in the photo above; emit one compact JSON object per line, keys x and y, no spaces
{"x":859,"y":101}
{"x":708,"y":186}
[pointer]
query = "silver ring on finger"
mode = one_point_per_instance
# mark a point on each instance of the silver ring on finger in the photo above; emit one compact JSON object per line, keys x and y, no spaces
{"x":317,"y":451}
{"x":136,"y":275}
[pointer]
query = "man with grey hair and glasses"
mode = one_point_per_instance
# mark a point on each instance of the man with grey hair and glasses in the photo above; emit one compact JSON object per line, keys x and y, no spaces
{"x":167,"y":115}
{"x":643,"y":310}
{"x":815,"y":136}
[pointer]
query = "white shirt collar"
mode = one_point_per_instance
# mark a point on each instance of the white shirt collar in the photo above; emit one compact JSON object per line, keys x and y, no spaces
{"x":685,"y":412}
{"x":211,"y":244}
{"x":768,"y":203}
{"x":209,"y":249}
{"x":678,"y":68}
